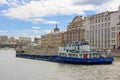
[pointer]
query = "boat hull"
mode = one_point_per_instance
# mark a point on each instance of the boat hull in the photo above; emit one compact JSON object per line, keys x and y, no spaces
{"x":68,"y":60}
{"x":84,"y":60}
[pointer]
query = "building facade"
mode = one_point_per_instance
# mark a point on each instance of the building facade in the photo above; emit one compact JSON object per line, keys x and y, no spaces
{"x":24,"y":41}
{"x":37,"y":41}
{"x":3,"y":39}
{"x":53,"y":39}
{"x":102,"y":29}
{"x":11,"y":40}
{"x":46,"y":40}
{"x":76,"y":30}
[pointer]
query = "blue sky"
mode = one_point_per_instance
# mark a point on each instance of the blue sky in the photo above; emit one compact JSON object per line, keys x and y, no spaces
{"x":33,"y":18}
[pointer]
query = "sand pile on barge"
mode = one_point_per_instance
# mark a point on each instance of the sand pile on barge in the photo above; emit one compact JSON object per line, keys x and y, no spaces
{"x":40,"y":50}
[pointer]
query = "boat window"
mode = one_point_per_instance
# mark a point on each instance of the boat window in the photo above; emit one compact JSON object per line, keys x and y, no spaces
{"x":78,"y":47}
{"x":94,"y":55}
{"x":62,"y":54}
{"x":70,"y":55}
{"x":90,"y":56}
{"x":80,"y":55}
{"x":104,"y":55}
{"x":73,"y":55}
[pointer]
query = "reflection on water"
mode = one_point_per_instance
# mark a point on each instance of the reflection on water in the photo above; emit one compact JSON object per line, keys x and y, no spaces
{"x":12,"y":68}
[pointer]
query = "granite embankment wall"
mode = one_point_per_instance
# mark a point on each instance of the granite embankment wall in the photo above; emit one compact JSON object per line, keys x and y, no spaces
{"x":116,"y":54}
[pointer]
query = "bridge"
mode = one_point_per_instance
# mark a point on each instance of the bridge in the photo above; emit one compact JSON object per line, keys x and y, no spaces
{"x":8,"y":45}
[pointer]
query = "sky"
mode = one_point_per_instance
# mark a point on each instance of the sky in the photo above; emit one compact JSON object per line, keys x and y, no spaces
{"x":33,"y":18}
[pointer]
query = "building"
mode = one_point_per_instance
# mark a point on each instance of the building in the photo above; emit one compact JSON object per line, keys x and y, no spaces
{"x":76,"y":30}
{"x":102,"y":29}
{"x":65,"y":38}
{"x":24,"y":41}
{"x":37,"y":40}
{"x":117,"y":30}
{"x":53,"y":39}
{"x":3,"y":39}
{"x":11,"y":40}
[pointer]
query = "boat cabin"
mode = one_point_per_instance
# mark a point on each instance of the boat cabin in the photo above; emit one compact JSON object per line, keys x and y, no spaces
{"x":80,"y":50}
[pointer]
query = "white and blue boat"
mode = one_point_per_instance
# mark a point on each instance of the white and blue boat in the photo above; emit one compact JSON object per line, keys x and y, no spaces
{"x":80,"y":53}
{"x":74,"y":53}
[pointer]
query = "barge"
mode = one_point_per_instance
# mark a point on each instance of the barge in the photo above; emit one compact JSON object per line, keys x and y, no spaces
{"x":74,"y":53}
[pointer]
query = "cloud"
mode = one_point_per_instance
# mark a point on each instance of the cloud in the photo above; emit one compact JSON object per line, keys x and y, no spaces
{"x":36,"y":27}
{"x":40,"y":20}
{"x":91,"y":2}
{"x":24,"y":32}
{"x":43,"y":8}
{"x":36,"y":10}
{"x":3,"y":2}
{"x":112,"y":5}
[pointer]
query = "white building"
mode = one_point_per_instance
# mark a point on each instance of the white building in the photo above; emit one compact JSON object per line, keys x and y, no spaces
{"x":102,"y":29}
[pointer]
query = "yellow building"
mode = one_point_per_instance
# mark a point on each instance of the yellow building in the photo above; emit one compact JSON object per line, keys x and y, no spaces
{"x":76,"y":30}
{"x":53,"y":39}
{"x":3,"y":39}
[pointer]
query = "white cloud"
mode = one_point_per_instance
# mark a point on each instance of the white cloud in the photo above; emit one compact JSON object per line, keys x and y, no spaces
{"x":36,"y":27}
{"x":112,"y":5}
{"x":40,"y":20}
{"x":91,"y":2}
{"x":42,"y":8}
{"x":37,"y":9}
{"x":25,"y":32}
{"x":3,"y":2}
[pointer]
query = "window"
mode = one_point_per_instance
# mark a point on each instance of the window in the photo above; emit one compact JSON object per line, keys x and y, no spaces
{"x":113,"y":28}
{"x":113,"y":41}
{"x":102,"y":25}
{"x":105,"y":19}
{"x":105,"y":24}
{"x":118,"y":28}
{"x":99,"y":25}
{"x":113,"y":34}
{"x":109,"y":24}
{"x":109,"y":18}
{"x":102,"y":19}
{"x":96,"y":21}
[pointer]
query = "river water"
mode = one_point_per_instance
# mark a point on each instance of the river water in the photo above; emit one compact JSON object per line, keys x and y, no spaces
{"x":12,"y":68}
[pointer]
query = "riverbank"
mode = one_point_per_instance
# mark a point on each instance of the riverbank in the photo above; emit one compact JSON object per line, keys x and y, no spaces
{"x":116,"y":55}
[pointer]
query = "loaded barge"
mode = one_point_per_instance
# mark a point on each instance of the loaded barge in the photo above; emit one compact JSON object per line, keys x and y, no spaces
{"x":73,"y":53}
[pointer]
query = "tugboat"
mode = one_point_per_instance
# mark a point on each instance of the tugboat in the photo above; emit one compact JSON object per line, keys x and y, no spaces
{"x":80,"y":53}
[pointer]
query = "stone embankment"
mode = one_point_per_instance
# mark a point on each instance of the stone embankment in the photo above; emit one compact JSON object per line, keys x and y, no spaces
{"x":116,"y":54}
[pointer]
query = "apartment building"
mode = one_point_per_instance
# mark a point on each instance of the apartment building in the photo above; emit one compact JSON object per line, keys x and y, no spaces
{"x":102,"y":29}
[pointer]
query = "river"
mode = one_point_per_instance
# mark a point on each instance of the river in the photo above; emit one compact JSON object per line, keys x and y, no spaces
{"x":12,"y":68}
